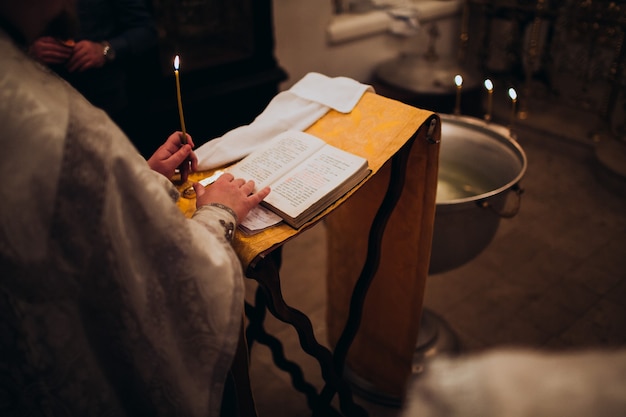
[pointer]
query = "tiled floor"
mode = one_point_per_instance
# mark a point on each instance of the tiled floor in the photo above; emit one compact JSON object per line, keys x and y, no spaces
{"x":554,"y":277}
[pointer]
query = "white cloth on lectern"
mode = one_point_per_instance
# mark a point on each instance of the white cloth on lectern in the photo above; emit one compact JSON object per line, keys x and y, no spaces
{"x":339,"y":93}
{"x":295,"y":109}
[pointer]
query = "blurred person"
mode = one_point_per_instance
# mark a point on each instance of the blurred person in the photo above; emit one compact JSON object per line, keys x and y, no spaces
{"x":521,"y":382}
{"x":111,"y":301}
{"x":101,"y":51}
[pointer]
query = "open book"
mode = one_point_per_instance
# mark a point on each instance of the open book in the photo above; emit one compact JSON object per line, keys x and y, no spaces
{"x":305,"y":173}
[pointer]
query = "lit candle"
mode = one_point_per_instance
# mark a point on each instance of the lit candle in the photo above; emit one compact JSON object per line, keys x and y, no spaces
{"x":513,"y":95}
{"x":489,"y":87}
{"x":458,"y":80}
{"x":180,"y":101}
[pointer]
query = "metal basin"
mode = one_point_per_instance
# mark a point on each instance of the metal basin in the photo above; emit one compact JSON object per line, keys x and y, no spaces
{"x":480,"y":166}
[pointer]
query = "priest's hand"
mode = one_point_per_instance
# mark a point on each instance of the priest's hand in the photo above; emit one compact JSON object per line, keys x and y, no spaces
{"x":172,"y":154}
{"x":235,"y":193}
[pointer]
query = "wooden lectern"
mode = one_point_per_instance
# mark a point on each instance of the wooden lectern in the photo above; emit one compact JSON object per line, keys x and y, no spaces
{"x":379,"y":237}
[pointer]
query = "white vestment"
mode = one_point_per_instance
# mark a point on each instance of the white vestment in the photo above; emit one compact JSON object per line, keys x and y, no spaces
{"x":112,"y":303}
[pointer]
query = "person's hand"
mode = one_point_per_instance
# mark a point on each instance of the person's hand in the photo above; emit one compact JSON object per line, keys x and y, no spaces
{"x":234,"y":193}
{"x":172,"y":154}
{"x":86,"y":55}
{"x":51,"y":51}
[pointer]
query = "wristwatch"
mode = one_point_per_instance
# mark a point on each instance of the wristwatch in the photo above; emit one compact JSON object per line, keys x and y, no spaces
{"x":108,"y":51}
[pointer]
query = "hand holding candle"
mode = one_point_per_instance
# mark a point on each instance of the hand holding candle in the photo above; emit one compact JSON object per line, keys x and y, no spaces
{"x":489,"y":87}
{"x":184,"y":167}
{"x":180,"y":101}
{"x":458,"y":80}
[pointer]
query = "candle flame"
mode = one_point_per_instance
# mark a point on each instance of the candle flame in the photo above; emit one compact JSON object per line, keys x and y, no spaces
{"x":512,"y":94}
{"x":176,"y":62}
{"x":488,"y":84}
{"x":458,"y":80}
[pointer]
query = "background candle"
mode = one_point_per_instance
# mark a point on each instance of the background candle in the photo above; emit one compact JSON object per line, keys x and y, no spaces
{"x":180,"y":101}
{"x":458,"y":80}
{"x":489,"y":87}
{"x":513,"y":95}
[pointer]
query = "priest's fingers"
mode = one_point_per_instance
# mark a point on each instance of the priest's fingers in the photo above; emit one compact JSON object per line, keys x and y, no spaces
{"x":226,"y":177}
{"x":199,"y":189}
{"x":185,"y":139}
{"x":257,"y":197}
{"x":181,"y":155}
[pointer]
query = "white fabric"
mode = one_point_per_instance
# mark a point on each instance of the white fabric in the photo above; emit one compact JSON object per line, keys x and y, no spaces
{"x":295,"y":109}
{"x":339,"y":93}
{"x":521,"y":383}
{"x":111,"y":301}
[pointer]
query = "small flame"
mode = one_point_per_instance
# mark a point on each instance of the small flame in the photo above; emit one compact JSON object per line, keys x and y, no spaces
{"x":176,"y":62}
{"x":488,"y":84}
{"x":458,"y":80}
{"x":512,"y":94}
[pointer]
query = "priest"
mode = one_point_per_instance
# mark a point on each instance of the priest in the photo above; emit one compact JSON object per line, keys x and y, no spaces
{"x":111,"y":301}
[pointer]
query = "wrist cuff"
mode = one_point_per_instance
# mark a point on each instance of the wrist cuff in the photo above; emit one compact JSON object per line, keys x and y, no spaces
{"x":228,"y":209}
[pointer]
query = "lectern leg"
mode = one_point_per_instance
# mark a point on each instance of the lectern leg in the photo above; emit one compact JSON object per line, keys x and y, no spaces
{"x":269,"y":295}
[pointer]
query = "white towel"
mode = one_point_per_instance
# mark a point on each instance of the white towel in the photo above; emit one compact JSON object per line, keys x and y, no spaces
{"x":339,"y":93}
{"x":296,"y":109}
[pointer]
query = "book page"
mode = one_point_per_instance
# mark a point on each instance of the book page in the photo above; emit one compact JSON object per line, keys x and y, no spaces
{"x":276,"y":158}
{"x":312,"y":180}
{"x":258,"y":219}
